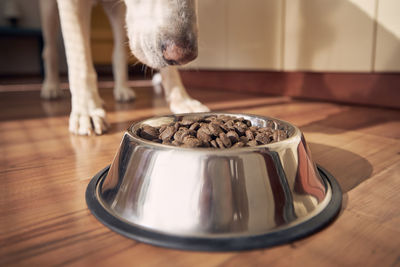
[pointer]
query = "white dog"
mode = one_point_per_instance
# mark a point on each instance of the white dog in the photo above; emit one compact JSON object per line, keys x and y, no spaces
{"x":162,"y":33}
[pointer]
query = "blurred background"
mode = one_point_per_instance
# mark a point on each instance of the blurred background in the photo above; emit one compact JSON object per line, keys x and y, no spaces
{"x":292,"y":38}
{"x":330,"y":67}
{"x":300,"y":35}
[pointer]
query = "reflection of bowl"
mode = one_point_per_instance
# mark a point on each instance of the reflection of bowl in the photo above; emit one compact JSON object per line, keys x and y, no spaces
{"x":214,"y":199}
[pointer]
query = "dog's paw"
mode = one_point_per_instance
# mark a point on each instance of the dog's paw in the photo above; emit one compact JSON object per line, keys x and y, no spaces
{"x":181,"y":102}
{"x":124,"y":94}
{"x":51,"y":91}
{"x":157,"y":83}
{"x":187,"y":105}
{"x":88,"y":124}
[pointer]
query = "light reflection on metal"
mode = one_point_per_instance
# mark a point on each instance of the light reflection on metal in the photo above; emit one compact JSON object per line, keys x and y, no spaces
{"x":210,"y":192}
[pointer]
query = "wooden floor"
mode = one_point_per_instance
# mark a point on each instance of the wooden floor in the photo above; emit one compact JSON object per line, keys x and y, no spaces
{"x":44,"y":171}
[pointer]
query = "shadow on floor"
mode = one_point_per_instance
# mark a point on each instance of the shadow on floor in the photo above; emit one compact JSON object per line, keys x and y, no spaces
{"x":354,"y":118}
{"x":350,"y":170}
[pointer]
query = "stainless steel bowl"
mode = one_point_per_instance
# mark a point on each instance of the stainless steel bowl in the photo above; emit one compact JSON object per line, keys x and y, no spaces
{"x":214,"y":199}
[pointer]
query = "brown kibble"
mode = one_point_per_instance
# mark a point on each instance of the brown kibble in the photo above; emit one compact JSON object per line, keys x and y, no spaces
{"x":225,"y":140}
{"x":190,"y":141}
{"x":162,"y":128}
{"x":194,"y":126}
{"x":214,"y":128}
{"x":223,"y":127}
{"x":229,"y":125}
{"x":192,"y":132}
{"x":238,"y":144}
{"x":168,"y":133}
{"x":210,"y":118}
{"x":214,"y":131}
{"x":186,"y":121}
{"x":247,"y":122}
{"x":249,"y":134}
{"x":213,"y":143}
{"x":254,"y":129}
{"x":189,"y":120}
{"x":205,"y":144}
{"x":219,"y":142}
{"x":265,"y":130}
{"x":240,"y":127}
{"x":233,"y":136}
{"x":283,"y":135}
{"x":263,"y":138}
{"x":243,"y":139}
{"x":176,"y":143}
{"x":149,"y":132}
{"x":204,"y":137}
{"x":181,"y":133}
{"x":225,"y":118}
{"x":204,"y":128}
{"x":252,"y":143}
{"x":166,"y":142}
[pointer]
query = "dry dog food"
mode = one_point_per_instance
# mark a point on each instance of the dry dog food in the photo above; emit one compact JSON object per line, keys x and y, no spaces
{"x":213,"y":131}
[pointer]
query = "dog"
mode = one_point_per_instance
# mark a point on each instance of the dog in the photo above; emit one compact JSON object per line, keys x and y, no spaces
{"x":161,"y":33}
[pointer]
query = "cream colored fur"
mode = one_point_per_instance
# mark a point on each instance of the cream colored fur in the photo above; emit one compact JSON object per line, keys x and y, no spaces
{"x":88,"y":115}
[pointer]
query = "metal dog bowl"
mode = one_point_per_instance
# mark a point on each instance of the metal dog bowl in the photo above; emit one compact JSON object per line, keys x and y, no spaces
{"x":214,"y":199}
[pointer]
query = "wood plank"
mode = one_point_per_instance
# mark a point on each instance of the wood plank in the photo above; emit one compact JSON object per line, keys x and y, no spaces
{"x":44,"y":172}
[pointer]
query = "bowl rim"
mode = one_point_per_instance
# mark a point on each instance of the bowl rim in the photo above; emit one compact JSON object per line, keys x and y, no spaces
{"x":294,"y":137}
{"x":270,"y":238}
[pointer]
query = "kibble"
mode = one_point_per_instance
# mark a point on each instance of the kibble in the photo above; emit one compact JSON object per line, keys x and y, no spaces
{"x":214,"y":131}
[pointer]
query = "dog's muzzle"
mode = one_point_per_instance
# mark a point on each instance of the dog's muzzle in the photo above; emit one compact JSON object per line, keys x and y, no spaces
{"x":178,"y":53}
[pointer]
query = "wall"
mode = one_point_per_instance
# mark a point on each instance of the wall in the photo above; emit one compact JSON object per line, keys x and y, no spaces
{"x":20,"y":55}
{"x":307,"y":35}
{"x":29,"y":10}
{"x":289,"y":35}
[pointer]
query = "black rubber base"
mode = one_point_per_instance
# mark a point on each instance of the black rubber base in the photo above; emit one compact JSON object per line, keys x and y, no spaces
{"x":217,"y":244}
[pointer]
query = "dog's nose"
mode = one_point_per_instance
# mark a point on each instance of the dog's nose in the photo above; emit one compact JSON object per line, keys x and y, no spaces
{"x":175,"y":53}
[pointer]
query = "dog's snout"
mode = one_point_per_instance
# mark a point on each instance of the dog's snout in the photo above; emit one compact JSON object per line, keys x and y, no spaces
{"x":178,"y":53}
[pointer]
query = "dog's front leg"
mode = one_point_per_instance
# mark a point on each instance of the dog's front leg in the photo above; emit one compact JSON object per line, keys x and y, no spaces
{"x":176,"y":95}
{"x":116,"y":14}
{"x":51,"y":28}
{"x":87,"y":115}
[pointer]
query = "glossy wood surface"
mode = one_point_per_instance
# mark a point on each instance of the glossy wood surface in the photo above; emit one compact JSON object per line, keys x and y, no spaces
{"x":373,"y":89}
{"x":44,"y":171}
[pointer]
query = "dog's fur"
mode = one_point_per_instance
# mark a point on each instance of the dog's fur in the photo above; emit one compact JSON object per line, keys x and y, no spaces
{"x":161,"y":33}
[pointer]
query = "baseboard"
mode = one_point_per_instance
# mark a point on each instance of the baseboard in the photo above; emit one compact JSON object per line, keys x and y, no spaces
{"x":376,"y":89}
{"x":136,"y":70}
